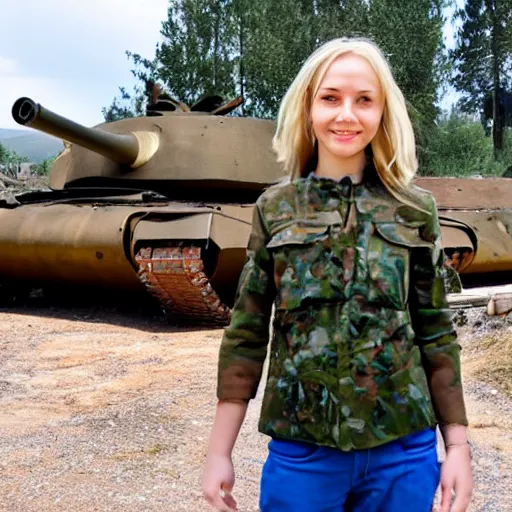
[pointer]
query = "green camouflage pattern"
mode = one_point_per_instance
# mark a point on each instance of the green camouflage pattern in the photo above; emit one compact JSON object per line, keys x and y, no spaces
{"x":363,"y":349}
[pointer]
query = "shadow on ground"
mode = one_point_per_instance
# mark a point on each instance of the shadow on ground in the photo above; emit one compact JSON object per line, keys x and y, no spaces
{"x":135,"y":310}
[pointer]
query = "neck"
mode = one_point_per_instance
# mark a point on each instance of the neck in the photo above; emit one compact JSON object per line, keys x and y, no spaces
{"x":335,"y":168}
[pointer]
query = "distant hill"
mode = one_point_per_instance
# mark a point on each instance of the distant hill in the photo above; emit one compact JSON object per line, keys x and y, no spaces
{"x":36,"y":146}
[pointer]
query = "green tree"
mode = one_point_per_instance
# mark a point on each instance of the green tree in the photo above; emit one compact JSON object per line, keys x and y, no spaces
{"x":483,"y":57}
{"x":3,"y":154}
{"x":117,"y":110}
{"x":278,"y":37}
{"x":254,"y":49}
{"x":43,"y":168}
{"x":410,"y":33}
{"x":196,"y":56}
{"x":11,"y":160}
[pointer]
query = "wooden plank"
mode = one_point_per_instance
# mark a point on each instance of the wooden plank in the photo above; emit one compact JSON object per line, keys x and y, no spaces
{"x":497,"y":303}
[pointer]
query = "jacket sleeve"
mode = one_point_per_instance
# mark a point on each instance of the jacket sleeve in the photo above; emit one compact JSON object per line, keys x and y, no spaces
{"x":244,"y":343}
{"x":433,"y":326}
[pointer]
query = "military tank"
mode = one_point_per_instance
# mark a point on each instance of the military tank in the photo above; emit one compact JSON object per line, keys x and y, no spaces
{"x":163,"y":204}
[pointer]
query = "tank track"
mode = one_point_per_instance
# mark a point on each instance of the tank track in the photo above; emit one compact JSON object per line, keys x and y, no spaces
{"x":175,"y":276}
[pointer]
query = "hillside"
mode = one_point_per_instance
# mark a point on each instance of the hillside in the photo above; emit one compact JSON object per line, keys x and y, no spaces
{"x":34,"y":145}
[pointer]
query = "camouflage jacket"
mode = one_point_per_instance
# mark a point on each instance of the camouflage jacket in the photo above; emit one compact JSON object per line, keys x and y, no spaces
{"x":363,"y":349}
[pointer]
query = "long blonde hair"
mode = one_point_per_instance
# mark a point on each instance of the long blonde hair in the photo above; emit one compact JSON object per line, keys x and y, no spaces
{"x":393,"y":147}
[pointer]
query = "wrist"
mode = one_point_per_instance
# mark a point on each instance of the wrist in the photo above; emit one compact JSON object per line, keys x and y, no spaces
{"x":464,"y":448}
{"x":218,"y":454}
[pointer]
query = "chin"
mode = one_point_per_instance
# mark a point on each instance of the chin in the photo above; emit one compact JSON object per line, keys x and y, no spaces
{"x":347,"y":153}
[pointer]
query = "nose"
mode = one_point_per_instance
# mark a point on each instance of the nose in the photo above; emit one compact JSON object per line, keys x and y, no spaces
{"x":346,"y":112}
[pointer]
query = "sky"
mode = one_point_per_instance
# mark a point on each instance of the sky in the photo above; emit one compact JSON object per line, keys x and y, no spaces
{"x":69,"y":55}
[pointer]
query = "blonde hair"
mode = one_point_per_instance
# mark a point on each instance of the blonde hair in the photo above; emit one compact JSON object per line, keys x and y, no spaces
{"x":393,"y":147}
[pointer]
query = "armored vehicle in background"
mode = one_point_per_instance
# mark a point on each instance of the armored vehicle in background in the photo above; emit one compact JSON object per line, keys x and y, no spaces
{"x":163,"y":204}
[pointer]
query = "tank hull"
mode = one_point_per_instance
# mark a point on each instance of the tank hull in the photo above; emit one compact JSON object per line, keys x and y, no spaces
{"x":100,"y":245}
{"x":96,"y":244}
{"x":476,"y":221}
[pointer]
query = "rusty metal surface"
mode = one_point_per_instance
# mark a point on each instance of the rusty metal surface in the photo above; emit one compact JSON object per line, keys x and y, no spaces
{"x":176,"y":277}
{"x":485,"y":207}
{"x":493,"y":230}
{"x":97,"y":244}
{"x":469,"y":193}
{"x":66,"y":243}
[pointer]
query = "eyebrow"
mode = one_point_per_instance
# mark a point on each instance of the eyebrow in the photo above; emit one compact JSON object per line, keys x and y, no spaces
{"x":337,"y":90}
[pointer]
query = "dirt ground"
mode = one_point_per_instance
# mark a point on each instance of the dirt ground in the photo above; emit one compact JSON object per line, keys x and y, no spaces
{"x":104,"y":409}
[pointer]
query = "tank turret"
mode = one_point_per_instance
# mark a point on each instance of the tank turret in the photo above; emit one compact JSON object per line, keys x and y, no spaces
{"x":177,"y":150}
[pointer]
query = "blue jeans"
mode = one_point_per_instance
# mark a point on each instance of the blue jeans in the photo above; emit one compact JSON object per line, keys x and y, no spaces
{"x":399,"y":476}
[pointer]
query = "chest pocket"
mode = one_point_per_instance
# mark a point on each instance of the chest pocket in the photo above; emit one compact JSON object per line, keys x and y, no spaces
{"x":389,"y":260}
{"x":307,"y":267}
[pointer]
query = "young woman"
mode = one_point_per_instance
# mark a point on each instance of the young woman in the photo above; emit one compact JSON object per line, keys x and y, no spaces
{"x":364,"y":361}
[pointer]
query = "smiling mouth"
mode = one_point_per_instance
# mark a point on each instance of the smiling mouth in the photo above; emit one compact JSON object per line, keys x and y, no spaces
{"x":344,"y":132}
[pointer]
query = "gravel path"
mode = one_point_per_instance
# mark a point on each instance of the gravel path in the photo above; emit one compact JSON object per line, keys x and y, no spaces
{"x":108,"y":411}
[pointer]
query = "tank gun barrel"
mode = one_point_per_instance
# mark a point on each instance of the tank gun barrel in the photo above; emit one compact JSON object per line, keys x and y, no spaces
{"x":123,"y":149}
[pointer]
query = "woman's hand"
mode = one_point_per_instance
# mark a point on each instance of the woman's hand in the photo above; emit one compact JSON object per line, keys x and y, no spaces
{"x":456,"y":477}
{"x":219,"y":475}
{"x":218,"y":480}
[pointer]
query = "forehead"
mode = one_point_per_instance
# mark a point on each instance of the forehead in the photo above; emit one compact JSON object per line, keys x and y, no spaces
{"x":351,"y":71}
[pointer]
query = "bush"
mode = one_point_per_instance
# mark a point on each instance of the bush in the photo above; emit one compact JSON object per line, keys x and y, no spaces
{"x":43,"y":168}
{"x":459,"y":147}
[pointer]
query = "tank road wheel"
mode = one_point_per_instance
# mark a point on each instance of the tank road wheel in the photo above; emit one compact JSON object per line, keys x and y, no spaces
{"x":176,"y":277}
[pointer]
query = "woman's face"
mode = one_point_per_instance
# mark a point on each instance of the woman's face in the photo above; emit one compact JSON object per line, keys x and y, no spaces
{"x":347,"y":109}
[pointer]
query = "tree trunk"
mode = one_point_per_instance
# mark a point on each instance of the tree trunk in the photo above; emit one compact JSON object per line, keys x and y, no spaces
{"x":497,"y":121}
{"x":216,"y":52}
{"x":242,"y":69}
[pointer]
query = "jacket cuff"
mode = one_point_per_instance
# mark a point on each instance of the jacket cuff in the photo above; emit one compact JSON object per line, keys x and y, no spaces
{"x":239,"y":379}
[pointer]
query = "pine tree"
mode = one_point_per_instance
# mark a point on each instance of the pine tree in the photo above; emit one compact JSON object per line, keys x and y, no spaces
{"x":482,"y":58}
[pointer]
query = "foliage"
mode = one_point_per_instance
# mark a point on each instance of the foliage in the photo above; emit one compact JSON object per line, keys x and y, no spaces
{"x":10,"y":157}
{"x":196,"y":57}
{"x":417,"y":56}
{"x":43,"y":168}
{"x":254,"y":49}
{"x":11,"y":161}
{"x":117,"y":110}
{"x":458,"y":147}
